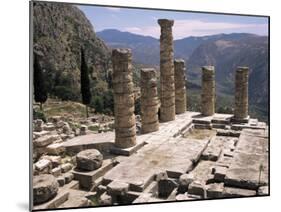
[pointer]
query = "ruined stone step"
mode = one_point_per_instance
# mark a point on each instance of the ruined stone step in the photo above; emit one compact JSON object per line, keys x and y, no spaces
{"x":202,"y":121}
{"x":87,"y":178}
{"x":218,"y":126}
{"x":203,"y":126}
{"x":230,"y":133}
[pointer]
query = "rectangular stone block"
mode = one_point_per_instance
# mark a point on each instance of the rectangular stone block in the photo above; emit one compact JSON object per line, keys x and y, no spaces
{"x":237,"y":192}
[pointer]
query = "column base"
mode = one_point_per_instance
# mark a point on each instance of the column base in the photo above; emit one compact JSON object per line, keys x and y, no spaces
{"x":127,"y":151}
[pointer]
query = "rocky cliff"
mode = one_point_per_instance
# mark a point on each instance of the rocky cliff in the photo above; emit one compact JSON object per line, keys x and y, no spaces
{"x":60,"y":30}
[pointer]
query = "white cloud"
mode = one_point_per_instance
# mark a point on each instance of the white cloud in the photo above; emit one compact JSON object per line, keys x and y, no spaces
{"x":185,"y":28}
{"x":116,"y":9}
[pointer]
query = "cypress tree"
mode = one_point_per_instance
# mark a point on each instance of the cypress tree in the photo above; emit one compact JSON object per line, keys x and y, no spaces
{"x":85,"y":83}
{"x":40,"y":91}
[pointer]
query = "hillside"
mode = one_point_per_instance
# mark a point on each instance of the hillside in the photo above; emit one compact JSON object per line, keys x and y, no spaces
{"x":224,"y":51}
{"x":145,"y":48}
{"x":226,"y":55}
{"x":60,"y":30}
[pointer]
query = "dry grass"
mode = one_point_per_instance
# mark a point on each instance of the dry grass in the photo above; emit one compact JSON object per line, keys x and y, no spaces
{"x":200,"y":134}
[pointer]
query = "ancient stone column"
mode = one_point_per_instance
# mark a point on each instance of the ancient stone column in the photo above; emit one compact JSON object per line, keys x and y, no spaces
{"x":167,"y":85}
{"x":180,"y":89}
{"x":124,"y":103}
{"x":149,"y":101}
{"x":241,"y":93}
{"x":208,"y":91}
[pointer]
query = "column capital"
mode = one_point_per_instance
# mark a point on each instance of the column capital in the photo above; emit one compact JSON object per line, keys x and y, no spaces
{"x":165,"y":22}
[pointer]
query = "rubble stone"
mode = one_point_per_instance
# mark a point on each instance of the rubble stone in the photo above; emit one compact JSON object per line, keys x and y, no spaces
{"x":43,"y":164}
{"x":44,"y":140}
{"x":83,"y":130}
{"x":68,"y":177}
{"x":215,"y":190}
{"x":38,"y":125}
{"x":105,"y":199}
{"x":184,"y":181}
{"x":89,"y":159}
{"x":66,"y":167}
{"x":197,"y":188}
{"x":45,"y":187}
{"x":56,"y":171}
{"x":55,"y":149}
{"x":61,"y":181}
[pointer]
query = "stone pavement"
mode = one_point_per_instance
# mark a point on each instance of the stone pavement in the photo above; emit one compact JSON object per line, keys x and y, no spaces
{"x":105,"y":141}
{"x":231,"y":161}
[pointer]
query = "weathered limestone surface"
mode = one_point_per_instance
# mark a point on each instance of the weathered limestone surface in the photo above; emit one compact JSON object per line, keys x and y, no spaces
{"x":237,"y":192}
{"x":241,"y":93}
{"x":123,"y":87}
{"x":100,"y":141}
{"x":208,"y":91}
{"x":45,"y":187}
{"x":249,"y":168}
{"x":214,"y":149}
{"x":180,"y":89}
{"x":149,"y":101}
{"x":173,"y":155}
{"x":167,"y":79}
{"x":89,"y":160}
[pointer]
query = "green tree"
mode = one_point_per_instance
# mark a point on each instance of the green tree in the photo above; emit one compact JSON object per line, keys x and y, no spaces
{"x":98,"y":104}
{"x":85,"y":83}
{"x":40,"y":91}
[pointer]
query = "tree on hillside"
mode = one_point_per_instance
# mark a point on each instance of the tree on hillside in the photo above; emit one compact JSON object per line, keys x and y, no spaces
{"x":85,"y":83}
{"x":40,"y":91}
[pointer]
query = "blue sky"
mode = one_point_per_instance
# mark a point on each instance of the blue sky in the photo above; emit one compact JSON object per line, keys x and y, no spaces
{"x":144,"y":22}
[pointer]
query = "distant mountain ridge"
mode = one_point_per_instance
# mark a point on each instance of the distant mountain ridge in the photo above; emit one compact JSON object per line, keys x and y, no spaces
{"x":146,"y":48}
{"x":224,"y":51}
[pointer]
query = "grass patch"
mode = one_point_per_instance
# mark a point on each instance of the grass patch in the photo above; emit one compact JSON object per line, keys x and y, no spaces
{"x":93,"y":128}
{"x":200,"y":134}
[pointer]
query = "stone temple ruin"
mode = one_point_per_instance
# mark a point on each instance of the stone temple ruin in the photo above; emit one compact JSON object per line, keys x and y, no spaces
{"x":191,"y":155}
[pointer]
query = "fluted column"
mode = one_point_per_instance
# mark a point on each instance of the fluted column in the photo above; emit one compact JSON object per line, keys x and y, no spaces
{"x":208,"y":91}
{"x":124,"y":103}
{"x":149,"y":101}
{"x":167,"y":84}
{"x":180,"y":88}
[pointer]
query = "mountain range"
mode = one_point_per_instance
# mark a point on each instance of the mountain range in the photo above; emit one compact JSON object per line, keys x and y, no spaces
{"x":61,"y":30}
{"x":225,"y":51}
